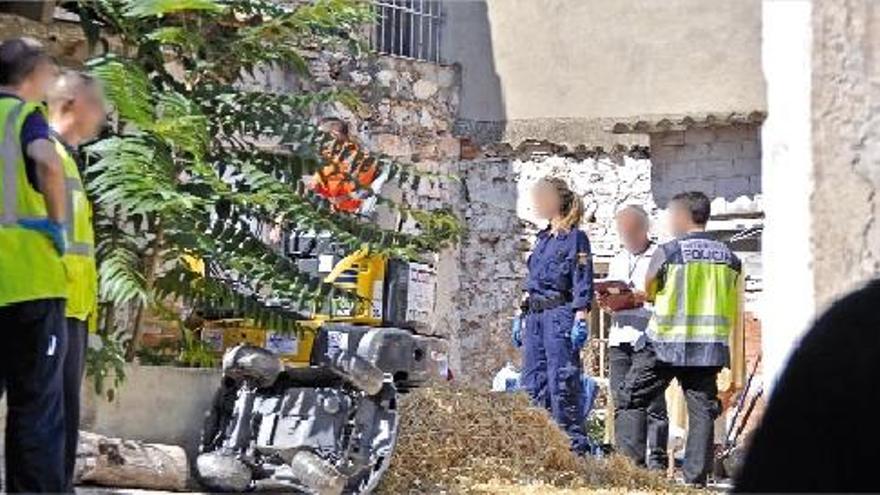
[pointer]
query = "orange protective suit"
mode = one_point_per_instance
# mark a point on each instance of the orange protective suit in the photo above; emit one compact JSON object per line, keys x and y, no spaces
{"x":338,"y":183}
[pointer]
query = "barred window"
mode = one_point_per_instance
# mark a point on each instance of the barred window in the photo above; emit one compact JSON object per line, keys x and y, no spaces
{"x":407,"y":28}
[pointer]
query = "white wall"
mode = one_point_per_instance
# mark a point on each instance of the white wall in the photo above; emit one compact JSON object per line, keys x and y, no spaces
{"x":787,"y":176}
{"x":536,"y":59}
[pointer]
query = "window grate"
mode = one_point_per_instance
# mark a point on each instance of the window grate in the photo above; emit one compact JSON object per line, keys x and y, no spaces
{"x":407,"y":28}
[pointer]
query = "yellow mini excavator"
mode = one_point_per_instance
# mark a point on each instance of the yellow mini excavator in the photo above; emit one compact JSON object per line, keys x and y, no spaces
{"x":316,"y":411}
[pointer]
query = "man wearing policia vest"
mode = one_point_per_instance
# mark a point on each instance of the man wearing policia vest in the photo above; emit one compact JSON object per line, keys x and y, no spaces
{"x":693,"y":282}
{"x":33,"y":285}
{"x":76,"y":115}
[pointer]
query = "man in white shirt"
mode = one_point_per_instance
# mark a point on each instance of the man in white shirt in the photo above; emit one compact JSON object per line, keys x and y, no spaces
{"x":631,"y":428}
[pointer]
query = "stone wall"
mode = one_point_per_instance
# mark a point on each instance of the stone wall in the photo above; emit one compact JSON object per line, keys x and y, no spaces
{"x":501,"y":223}
{"x":65,"y":40}
{"x":408,"y":113}
{"x":501,"y":230}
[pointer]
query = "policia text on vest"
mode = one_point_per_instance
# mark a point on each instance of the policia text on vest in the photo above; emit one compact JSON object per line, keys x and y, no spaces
{"x":695,"y":309}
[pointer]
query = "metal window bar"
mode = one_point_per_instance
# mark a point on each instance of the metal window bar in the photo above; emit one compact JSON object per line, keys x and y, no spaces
{"x":407,"y":29}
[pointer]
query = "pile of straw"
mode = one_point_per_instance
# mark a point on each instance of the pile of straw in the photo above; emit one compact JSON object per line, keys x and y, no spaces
{"x":465,"y":441}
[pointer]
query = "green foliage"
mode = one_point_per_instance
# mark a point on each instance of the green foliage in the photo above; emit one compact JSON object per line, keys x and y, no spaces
{"x":187,"y":174}
{"x":146,"y":8}
{"x":107,"y":363}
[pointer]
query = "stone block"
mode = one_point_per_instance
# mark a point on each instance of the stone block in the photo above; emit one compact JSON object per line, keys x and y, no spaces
{"x":683,"y":170}
{"x":424,"y":89}
{"x":751,"y":149}
{"x":469,"y":149}
{"x":755,"y":183}
{"x":425,"y":119}
{"x":449,"y":147}
{"x":721,"y":168}
{"x":359,"y":78}
{"x":725,"y":149}
{"x":385,"y":78}
{"x":696,"y":151}
{"x":699,"y":136}
{"x":747,"y":166}
{"x":392,"y":145}
{"x":672,"y":138}
{"x":404,"y":116}
{"x":732,"y":134}
{"x":658,"y":171}
{"x":661,"y":153}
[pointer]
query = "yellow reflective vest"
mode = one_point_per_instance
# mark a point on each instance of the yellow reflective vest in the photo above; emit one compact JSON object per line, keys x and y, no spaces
{"x":697,"y":305}
{"x":79,"y":259}
{"x":30,"y":268}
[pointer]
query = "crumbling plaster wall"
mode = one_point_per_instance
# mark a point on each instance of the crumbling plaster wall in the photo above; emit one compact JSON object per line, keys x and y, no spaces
{"x":846,"y":145}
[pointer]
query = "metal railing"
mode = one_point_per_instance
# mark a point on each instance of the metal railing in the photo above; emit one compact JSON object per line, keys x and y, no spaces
{"x":407,"y":29}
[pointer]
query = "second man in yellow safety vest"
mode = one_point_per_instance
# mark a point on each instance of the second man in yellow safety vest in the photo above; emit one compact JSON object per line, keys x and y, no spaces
{"x":693,"y":282}
{"x":76,"y":115}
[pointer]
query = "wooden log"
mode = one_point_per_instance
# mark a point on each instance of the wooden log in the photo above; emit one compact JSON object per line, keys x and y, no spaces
{"x":130,"y":464}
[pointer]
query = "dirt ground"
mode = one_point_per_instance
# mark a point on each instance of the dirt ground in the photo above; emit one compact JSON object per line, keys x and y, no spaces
{"x":474,"y":442}
{"x":466,"y":442}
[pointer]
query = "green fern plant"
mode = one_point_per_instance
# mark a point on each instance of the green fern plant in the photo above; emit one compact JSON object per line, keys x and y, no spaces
{"x":184,"y":175}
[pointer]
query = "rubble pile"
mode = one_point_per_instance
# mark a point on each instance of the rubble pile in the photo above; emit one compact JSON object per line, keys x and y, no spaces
{"x":465,"y":441}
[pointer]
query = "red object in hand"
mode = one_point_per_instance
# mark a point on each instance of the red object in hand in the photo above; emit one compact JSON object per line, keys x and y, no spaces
{"x":618,"y":302}
{"x":616,"y":295}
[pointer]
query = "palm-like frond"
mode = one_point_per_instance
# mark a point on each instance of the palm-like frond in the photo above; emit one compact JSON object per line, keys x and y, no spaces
{"x":128,"y":89}
{"x":120,"y":276}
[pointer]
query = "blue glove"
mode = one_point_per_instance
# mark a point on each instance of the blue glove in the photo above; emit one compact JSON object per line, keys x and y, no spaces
{"x":516,"y":331}
{"x":580,"y":331}
{"x":51,"y":229}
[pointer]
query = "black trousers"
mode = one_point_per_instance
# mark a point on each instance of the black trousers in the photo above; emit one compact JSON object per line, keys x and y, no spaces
{"x":647,"y":378}
{"x":31,"y":373}
{"x":74,"y":366}
{"x":631,"y":427}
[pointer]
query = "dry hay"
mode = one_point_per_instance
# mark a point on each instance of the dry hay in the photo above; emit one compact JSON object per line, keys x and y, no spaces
{"x":466,"y":441}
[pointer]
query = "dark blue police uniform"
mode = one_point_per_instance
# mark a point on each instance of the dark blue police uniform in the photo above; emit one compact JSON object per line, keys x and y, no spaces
{"x":560,"y":282}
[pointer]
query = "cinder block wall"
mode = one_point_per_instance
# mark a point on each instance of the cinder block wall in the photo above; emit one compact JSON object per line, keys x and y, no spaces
{"x":724,"y":162}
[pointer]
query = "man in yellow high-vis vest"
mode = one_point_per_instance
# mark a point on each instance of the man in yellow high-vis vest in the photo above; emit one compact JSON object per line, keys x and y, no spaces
{"x":694,"y":284}
{"x":32,"y":279}
{"x":76,"y":115}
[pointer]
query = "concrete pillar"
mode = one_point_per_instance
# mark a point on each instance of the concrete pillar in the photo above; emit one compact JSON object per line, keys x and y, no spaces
{"x":787,"y":181}
{"x":846,"y":146}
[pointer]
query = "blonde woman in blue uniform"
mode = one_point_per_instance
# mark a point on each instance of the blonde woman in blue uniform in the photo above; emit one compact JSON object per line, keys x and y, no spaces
{"x":560,"y":291}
